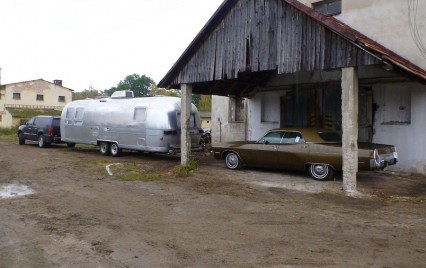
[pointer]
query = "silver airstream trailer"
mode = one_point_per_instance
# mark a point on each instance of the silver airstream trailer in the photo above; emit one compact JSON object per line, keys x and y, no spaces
{"x":150,"y":124}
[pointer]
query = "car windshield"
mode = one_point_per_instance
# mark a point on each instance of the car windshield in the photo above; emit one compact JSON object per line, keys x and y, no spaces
{"x":330,"y":136}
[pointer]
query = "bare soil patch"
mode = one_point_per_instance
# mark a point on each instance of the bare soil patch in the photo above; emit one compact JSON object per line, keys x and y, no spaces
{"x":145,"y":216}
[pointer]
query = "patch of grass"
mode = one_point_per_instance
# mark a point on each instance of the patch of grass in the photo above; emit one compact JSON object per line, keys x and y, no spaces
{"x":85,"y":147}
{"x":152,"y":176}
{"x":137,"y":176}
{"x":408,"y":199}
{"x":28,"y":113}
{"x":9,"y":138}
{"x":184,"y":170}
{"x":102,"y":161}
{"x":8,"y":131}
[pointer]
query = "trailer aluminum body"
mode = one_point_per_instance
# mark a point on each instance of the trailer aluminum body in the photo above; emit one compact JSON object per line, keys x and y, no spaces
{"x":150,"y":124}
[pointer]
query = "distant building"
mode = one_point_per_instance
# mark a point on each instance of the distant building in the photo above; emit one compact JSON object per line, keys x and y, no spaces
{"x":206,"y":119}
{"x":20,"y":101}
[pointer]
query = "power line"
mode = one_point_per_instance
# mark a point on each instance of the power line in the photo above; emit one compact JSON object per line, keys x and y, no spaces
{"x":414,"y":30}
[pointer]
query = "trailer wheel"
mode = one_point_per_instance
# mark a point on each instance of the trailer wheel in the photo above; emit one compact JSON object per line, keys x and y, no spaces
{"x":70,"y":144}
{"x":115,"y":150}
{"x":104,"y":148}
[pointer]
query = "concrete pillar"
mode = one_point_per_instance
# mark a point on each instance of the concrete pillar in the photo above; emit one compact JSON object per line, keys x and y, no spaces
{"x":350,"y":128}
{"x":185,"y":140}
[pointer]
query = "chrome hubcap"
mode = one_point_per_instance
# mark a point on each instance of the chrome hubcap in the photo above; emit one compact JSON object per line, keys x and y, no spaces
{"x":232,"y":160}
{"x":320,"y":169}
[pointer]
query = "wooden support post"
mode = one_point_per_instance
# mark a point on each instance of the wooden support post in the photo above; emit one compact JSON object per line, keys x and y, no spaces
{"x":185,"y":140}
{"x":350,"y":128}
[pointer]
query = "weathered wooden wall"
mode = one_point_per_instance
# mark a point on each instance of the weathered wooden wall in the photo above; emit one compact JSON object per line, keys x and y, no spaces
{"x":260,"y":35}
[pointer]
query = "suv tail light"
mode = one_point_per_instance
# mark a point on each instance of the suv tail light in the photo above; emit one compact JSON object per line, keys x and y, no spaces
{"x":50,"y":131}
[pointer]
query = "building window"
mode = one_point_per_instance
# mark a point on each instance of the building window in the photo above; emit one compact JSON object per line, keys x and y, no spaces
{"x":61,"y":98}
{"x":40,"y":97}
{"x":16,"y":96}
{"x":237,"y":109}
{"x":328,"y":7}
{"x":0,"y":118}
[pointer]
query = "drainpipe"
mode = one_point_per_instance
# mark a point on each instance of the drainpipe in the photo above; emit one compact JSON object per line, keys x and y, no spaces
{"x":220,"y":129}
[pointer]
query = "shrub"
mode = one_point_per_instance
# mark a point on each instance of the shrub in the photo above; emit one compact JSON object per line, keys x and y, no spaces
{"x":9,"y":131}
{"x":184,"y":170}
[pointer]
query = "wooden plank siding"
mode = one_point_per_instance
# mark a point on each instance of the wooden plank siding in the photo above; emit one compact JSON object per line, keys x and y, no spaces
{"x":262,"y":35}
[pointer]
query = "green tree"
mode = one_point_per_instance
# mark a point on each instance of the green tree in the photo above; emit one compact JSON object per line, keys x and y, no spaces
{"x":196,"y":99}
{"x":205,"y":104}
{"x":90,"y":93}
{"x":140,"y":85}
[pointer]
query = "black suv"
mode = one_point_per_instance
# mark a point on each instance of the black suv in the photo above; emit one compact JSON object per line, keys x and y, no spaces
{"x":44,"y":129}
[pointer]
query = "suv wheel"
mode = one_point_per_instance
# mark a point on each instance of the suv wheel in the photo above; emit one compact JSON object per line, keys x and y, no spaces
{"x":21,"y":138}
{"x":41,"y":142}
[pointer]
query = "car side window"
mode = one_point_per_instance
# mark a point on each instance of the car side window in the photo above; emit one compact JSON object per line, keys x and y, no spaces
{"x":272,"y":137}
{"x":291,"y":137}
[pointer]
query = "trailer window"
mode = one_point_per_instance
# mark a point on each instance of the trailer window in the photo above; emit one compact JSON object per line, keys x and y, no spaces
{"x":79,"y":112}
{"x":70,"y":113}
{"x":140,"y":115}
{"x":191,"y":120}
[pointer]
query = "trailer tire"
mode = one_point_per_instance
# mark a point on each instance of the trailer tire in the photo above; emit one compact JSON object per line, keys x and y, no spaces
{"x":115,"y":150}
{"x":104,"y":148}
{"x":70,"y":144}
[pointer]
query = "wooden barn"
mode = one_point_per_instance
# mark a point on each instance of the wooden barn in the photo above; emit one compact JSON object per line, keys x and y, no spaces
{"x":275,"y":63}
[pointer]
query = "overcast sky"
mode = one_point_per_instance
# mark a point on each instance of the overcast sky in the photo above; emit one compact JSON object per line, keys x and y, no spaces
{"x":96,"y":42}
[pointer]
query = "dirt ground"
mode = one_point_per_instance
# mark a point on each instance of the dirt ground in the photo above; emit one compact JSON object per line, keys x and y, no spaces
{"x":74,"y":214}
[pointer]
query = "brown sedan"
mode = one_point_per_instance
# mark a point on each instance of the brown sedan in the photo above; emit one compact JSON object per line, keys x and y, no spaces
{"x":317,"y":151}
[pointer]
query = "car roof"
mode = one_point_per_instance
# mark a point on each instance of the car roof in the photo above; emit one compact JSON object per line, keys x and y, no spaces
{"x":309,"y":134}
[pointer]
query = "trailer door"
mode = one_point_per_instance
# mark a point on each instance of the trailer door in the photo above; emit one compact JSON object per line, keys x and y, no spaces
{"x":140,"y":128}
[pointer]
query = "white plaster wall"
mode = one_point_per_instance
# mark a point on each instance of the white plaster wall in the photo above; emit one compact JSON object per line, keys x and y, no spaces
{"x":386,"y":22}
{"x":223,"y":129}
{"x":257,"y":128}
{"x":410,"y":139}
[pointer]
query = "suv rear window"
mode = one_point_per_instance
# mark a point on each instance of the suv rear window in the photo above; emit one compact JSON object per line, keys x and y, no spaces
{"x":43,"y":121}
